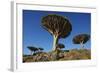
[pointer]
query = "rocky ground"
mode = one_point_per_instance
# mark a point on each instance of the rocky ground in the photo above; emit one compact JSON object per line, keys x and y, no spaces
{"x":58,"y":55}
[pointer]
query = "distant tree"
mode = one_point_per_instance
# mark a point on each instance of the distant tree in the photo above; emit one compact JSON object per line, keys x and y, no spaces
{"x":58,"y":26}
{"x":32,"y":49}
{"x":40,"y":49}
{"x":60,"y":46}
{"x":81,"y":39}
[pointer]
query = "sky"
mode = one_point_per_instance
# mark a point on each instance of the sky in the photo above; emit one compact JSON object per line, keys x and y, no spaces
{"x":35,"y":35}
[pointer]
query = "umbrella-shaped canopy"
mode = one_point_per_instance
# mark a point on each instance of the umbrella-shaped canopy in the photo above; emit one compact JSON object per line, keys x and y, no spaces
{"x":81,"y":38}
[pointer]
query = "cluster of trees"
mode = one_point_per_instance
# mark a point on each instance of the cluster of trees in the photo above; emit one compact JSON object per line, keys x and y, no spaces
{"x":59,"y":27}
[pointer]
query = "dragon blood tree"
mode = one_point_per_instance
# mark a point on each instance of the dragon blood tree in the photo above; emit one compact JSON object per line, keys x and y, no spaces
{"x":58,"y":26}
{"x":81,"y":39}
{"x":32,"y":49}
{"x":60,"y":46}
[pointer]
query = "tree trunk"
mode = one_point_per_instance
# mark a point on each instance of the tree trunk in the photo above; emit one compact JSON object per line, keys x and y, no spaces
{"x":82,"y":46}
{"x":31,"y":53}
{"x":55,"y":42}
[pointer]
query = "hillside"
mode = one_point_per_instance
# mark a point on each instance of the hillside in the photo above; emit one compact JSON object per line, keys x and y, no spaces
{"x":58,"y":55}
